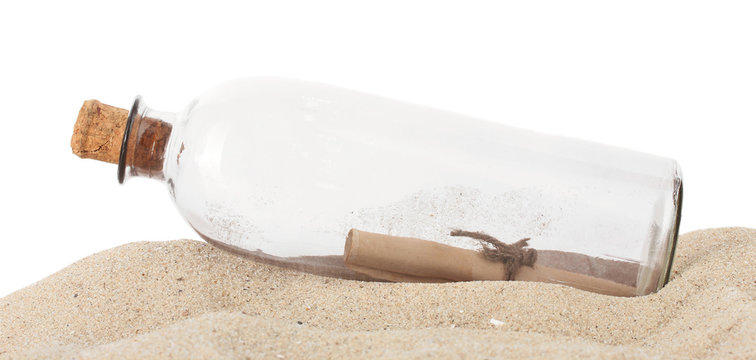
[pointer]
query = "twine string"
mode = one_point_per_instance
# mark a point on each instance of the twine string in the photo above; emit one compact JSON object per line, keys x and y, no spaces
{"x":513,"y":255}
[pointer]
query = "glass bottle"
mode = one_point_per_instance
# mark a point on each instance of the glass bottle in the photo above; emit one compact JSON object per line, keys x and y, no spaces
{"x":280,"y":170}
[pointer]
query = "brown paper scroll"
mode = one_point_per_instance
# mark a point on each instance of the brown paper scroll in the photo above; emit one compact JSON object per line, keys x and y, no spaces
{"x":405,"y":259}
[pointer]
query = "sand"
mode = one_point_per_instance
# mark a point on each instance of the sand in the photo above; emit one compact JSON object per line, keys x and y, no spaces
{"x":187,"y":299}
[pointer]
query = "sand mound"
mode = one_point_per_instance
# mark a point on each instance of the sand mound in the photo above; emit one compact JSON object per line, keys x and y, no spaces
{"x":186,"y":299}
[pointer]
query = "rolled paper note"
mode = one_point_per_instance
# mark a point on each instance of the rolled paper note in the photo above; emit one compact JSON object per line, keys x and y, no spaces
{"x":406,"y":259}
{"x":399,"y":258}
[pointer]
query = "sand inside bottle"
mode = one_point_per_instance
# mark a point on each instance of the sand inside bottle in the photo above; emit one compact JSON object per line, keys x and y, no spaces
{"x":585,"y":272}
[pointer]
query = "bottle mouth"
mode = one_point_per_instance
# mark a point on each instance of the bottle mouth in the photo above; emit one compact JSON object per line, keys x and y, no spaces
{"x":125,"y":141}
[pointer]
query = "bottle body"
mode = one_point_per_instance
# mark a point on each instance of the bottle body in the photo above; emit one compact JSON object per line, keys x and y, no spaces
{"x":284,"y":169}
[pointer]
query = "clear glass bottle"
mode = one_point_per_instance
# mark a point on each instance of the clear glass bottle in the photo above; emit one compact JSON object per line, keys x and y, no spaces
{"x":281,"y":170}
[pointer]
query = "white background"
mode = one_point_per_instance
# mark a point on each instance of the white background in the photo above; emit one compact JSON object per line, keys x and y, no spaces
{"x":672,"y":78}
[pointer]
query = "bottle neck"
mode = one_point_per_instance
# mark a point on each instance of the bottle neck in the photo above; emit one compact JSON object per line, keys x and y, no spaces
{"x":145,"y":142}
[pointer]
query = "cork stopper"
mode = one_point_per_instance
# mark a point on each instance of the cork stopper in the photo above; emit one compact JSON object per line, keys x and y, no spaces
{"x":98,"y":132}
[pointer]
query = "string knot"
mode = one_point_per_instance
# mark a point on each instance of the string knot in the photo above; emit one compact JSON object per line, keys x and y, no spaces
{"x":512,"y":255}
